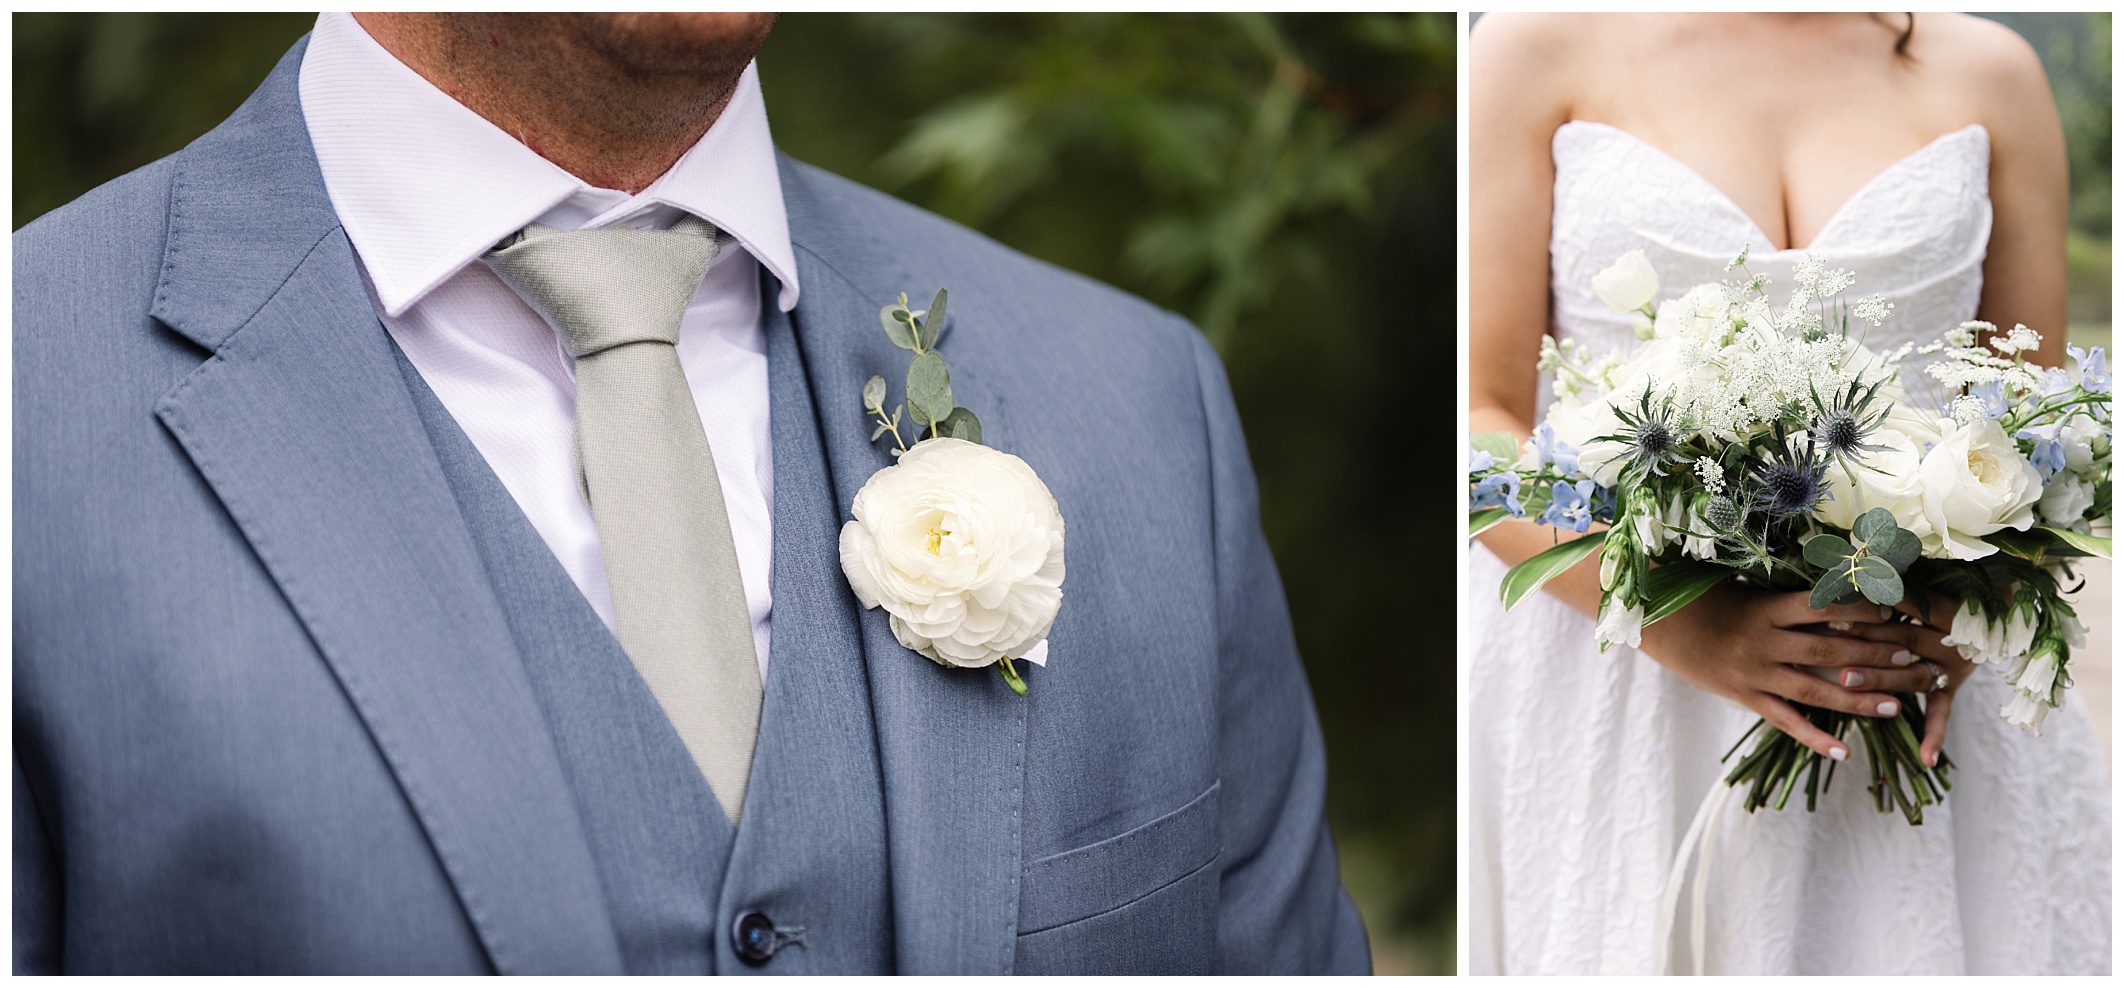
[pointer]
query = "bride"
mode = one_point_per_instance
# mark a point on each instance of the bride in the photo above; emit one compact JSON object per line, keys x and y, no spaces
{"x":1923,"y":152}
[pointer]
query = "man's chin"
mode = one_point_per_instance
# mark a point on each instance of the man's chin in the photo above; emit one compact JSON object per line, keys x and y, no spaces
{"x":677,"y":41}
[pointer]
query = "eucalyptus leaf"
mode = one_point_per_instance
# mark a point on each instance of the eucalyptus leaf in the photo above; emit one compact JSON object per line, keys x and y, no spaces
{"x":1671,"y":586}
{"x":1826,"y":550}
{"x":961,"y":424}
{"x":1872,"y":525}
{"x":929,"y":387}
{"x":1486,"y":519}
{"x":1529,"y":576}
{"x":1898,"y":547}
{"x":1834,"y":587}
{"x":933,"y":323}
{"x":1879,"y":581}
{"x":874,"y":394}
{"x":2093,"y":545}
{"x":896,"y":328}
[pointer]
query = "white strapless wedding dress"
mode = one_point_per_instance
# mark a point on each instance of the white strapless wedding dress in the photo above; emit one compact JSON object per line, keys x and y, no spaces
{"x":1586,"y":769}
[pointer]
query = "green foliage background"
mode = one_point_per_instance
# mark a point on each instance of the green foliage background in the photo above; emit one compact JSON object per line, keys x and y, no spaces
{"x":1287,"y":180}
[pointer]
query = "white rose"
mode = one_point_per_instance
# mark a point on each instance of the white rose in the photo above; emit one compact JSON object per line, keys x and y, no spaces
{"x":1629,"y":284}
{"x":1619,"y":625}
{"x":1976,"y":482}
{"x":962,"y":546}
{"x":2065,"y":499}
{"x":1886,"y":479}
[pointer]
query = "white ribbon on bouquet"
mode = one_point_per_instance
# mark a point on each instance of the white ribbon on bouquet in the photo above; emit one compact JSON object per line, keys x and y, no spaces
{"x":1700,"y":842}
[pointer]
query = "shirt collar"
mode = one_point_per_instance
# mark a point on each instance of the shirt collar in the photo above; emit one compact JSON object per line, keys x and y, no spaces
{"x":424,"y":185}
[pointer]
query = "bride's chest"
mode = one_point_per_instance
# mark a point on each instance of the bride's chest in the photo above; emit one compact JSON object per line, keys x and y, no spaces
{"x":1915,"y":231}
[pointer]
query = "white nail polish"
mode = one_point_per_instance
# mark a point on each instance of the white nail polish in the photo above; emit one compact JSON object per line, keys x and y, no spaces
{"x":1902,"y":657}
{"x":1887,"y":612}
{"x":1853,"y":679}
{"x":1887,"y":708}
{"x":1839,"y":753}
{"x":1840,"y":626}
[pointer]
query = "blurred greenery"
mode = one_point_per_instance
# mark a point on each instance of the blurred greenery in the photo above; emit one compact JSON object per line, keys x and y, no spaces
{"x":2075,"y":51}
{"x":1286,"y":180}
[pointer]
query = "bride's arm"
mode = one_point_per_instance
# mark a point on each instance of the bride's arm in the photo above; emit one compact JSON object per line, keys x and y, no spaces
{"x":2024,"y":268}
{"x":1517,"y":81}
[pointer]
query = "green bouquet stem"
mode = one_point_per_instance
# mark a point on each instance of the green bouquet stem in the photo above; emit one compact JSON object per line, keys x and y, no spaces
{"x":1777,"y":766}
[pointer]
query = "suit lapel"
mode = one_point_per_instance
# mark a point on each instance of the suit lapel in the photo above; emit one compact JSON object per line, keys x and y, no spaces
{"x":302,"y":426}
{"x":950,"y":741}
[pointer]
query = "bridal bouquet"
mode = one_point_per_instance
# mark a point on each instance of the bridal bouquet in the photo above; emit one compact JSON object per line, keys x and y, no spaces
{"x":1748,"y":441}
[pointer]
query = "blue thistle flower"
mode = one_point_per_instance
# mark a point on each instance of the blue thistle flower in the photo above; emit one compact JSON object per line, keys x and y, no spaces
{"x":1788,"y":482}
{"x":1653,"y":436}
{"x":1841,"y":426}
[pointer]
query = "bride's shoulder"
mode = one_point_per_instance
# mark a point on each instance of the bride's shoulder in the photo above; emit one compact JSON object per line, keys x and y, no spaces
{"x":1527,"y":61}
{"x":1987,"y":63}
{"x":1532,"y":37}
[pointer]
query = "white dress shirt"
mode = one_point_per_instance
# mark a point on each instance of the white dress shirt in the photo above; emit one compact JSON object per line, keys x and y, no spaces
{"x":424,"y":186}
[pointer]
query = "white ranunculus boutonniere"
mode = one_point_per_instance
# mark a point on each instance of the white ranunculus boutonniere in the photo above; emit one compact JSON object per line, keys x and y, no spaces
{"x":959,"y":543}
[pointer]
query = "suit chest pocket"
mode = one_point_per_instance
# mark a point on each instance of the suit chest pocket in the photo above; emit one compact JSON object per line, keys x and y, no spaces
{"x":1140,"y":902}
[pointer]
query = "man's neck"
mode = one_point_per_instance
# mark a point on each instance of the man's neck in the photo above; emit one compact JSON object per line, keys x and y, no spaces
{"x":612,"y":125}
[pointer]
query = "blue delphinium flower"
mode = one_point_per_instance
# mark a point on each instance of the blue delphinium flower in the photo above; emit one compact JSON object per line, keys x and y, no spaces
{"x":1499,"y":490}
{"x":2056,"y":381}
{"x":2094,"y":367}
{"x":1480,"y":460}
{"x":1993,"y":395}
{"x":2049,"y":452}
{"x":1563,"y":455}
{"x":1570,"y":506}
{"x":1603,"y":502}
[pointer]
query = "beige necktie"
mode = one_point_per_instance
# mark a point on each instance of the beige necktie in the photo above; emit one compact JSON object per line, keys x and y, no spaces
{"x":617,"y":296}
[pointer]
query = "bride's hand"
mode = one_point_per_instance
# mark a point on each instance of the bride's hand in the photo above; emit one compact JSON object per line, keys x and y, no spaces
{"x":1933,"y":659}
{"x":1754,"y":648}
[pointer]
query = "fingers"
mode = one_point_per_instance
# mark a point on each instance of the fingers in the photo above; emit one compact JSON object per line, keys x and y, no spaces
{"x":1917,"y":678}
{"x":1805,"y":649}
{"x":1781,"y":716}
{"x":1936,"y":707}
{"x":1791,"y":610}
{"x":1813,"y":691}
{"x":1915,"y":640}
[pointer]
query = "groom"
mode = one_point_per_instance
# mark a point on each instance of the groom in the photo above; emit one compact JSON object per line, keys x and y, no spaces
{"x":323,"y":664}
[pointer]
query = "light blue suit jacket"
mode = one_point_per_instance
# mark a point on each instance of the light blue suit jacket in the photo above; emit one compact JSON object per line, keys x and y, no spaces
{"x":269,"y":716}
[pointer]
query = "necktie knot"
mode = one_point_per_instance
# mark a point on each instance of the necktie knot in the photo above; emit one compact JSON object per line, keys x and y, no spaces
{"x":611,"y":286}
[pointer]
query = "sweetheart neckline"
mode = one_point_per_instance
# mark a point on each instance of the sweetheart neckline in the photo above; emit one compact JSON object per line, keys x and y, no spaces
{"x":1755,"y":227}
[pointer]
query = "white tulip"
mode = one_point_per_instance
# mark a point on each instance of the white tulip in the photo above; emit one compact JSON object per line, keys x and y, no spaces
{"x":1629,"y":284}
